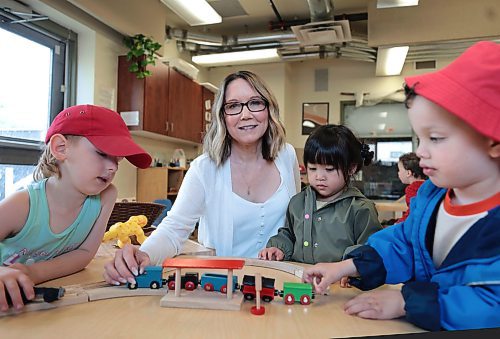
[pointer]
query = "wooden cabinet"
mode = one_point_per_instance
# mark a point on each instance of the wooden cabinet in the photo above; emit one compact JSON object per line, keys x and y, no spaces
{"x":184,"y":107}
{"x":148,"y":96}
{"x":168,"y":102}
{"x":159,"y":183}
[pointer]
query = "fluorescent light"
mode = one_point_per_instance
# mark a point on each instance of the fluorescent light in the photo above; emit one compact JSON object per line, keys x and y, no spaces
{"x":234,"y":58}
{"x":390,"y":60}
{"x":194,"y":12}
{"x":396,"y":3}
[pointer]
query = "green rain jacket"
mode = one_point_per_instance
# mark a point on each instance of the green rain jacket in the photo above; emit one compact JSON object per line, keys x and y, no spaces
{"x":327,"y":234}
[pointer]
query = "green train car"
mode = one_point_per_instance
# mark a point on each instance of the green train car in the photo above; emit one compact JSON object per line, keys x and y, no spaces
{"x":297,"y":292}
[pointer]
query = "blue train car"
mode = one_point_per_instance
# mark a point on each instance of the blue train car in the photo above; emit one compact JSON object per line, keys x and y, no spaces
{"x":151,"y":278}
{"x":217,"y":282}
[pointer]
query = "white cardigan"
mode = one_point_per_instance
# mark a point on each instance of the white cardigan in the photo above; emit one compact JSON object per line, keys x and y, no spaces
{"x":205,"y":196}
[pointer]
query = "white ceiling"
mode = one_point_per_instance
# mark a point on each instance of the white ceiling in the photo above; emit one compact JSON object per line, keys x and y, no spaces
{"x":260,"y":14}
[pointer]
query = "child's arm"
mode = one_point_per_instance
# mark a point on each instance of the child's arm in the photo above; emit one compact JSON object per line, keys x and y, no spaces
{"x":14,"y":211}
{"x":458,"y":307}
{"x":79,"y":258}
{"x":324,"y":274}
{"x":387,"y":257}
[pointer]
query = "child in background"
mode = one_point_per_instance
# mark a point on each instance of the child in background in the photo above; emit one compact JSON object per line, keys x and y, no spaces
{"x":446,"y":252}
{"x":54,"y":228}
{"x":328,"y":218}
{"x":411,"y":174}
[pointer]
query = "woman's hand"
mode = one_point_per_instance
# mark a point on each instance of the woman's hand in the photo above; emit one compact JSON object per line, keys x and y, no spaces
{"x":382,"y":304}
{"x":271,"y":253}
{"x":128,"y":263}
{"x":12,"y":280}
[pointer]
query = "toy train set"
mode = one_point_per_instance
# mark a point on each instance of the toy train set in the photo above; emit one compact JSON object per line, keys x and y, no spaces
{"x":189,"y":290}
{"x":292,"y":291}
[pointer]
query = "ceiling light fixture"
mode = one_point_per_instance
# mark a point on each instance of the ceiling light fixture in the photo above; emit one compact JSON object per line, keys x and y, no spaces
{"x":194,"y":12}
{"x":237,"y":58}
{"x":396,"y":3}
{"x":390,"y":60}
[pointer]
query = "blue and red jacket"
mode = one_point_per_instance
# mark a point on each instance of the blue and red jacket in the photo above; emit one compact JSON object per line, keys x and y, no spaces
{"x":463,"y":293}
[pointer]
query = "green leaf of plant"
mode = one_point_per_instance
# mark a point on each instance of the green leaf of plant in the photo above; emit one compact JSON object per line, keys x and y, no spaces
{"x":133,"y":67}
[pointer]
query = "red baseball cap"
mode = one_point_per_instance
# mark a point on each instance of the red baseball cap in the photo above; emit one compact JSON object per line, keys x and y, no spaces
{"x":104,"y":128}
{"x":469,"y":87}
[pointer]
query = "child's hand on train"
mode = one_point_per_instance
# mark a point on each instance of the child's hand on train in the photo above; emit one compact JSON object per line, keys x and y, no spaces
{"x":12,"y":282}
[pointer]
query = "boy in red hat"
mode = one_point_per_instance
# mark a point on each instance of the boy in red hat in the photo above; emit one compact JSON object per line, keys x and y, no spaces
{"x":447,"y":252}
{"x":54,"y":228}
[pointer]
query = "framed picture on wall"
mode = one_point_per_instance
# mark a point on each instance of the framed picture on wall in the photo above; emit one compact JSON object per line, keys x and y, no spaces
{"x":314,"y":114}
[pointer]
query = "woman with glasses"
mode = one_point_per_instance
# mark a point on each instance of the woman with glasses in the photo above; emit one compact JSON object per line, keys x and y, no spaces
{"x":238,"y":189}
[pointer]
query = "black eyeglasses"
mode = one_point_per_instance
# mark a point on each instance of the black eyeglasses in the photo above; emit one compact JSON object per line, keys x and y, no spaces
{"x":253,"y":105}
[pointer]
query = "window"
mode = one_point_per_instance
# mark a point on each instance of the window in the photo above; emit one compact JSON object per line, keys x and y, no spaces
{"x":383,"y":120}
{"x":390,"y":151}
{"x":35,"y":59}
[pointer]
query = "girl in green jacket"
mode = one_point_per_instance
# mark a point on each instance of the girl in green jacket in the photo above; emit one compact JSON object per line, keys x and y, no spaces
{"x":329,"y":218}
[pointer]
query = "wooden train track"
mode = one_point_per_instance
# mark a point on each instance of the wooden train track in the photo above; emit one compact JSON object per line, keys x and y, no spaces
{"x":80,"y":294}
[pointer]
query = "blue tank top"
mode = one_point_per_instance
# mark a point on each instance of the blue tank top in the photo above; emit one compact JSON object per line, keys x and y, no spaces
{"x":36,"y":241}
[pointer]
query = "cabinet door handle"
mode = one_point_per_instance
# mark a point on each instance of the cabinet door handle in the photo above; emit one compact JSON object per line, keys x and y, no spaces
{"x":166,"y":126}
{"x":171,"y":127}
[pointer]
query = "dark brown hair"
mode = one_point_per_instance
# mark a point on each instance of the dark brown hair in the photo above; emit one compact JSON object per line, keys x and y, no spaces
{"x":410,"y":163}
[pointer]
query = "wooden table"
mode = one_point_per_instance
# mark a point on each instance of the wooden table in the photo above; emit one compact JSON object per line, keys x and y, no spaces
{"x":135,"y":317}
{"x":395,"y":208}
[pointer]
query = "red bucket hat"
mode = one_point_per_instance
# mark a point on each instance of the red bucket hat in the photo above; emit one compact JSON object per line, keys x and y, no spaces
{"x":469,"y":87}
{"x":104,"y":128}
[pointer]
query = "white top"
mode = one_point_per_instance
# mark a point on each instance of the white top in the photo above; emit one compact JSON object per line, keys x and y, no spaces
{"x":449,"y":229}
{"x":257,"y":222}
{"x":204,"y":196}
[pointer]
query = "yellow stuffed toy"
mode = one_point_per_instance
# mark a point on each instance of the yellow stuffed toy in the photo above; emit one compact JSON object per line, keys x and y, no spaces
{"x":123,"y":230}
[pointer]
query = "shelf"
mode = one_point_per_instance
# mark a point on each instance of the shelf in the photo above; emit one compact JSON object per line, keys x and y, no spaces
{"x":159,"y":183}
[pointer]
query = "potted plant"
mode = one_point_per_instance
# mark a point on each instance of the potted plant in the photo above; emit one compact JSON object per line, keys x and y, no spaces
{"x":141,"y":53}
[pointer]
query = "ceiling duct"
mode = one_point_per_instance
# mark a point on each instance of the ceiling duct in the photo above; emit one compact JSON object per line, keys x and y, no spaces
{"x":323,"y":33}
{"x":228,"y":41}
{"x":322,"y":37}
{"x":320,"y":10}
{"x":323,"y":29}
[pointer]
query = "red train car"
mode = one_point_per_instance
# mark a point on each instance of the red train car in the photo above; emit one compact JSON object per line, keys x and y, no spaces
{"x":189,"y":281}
{"x":248,"y":288}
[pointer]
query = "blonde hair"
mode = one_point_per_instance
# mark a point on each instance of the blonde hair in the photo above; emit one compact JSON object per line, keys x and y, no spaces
{"x":217,"y":141}
{"x":47,"y":164}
